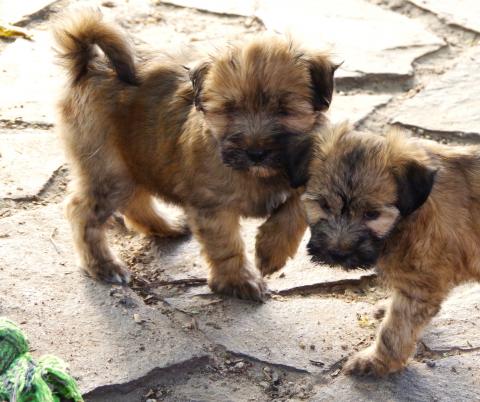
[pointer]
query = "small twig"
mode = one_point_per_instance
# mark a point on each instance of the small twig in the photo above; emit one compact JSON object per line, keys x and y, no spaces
{"x":317,"y":363}
{"x":188,"y":282}
{"x":54,"y":232}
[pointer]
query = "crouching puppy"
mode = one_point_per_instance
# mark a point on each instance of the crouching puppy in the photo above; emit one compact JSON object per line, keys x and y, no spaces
{"x":410,"y":207}
{"x":214,"y":140}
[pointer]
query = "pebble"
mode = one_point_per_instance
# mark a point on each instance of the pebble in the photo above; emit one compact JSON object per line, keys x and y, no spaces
{"x":264,"y":384}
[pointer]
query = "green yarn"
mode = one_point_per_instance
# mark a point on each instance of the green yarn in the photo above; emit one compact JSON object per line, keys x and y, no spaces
{"x":24,"y":380}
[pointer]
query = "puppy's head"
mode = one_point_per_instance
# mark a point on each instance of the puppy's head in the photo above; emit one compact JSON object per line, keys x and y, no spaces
{"x":257,"y":97}
{"x":361,"y":187}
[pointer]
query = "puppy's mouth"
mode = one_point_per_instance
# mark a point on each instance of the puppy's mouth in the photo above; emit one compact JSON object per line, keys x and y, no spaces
{"x":262,"y":171}
{"x":347,"y":260}
{"x":258,"y":163}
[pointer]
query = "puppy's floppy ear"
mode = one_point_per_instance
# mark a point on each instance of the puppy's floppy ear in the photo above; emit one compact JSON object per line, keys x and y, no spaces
{"x":414,"y":185}
{"x":322,"y":71}
{"x":298,"y":156}
{"x":197,"y":75}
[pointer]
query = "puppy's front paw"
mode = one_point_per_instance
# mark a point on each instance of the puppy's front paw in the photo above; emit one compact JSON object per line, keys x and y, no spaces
{"x":110,"y":271}
{"x":247,"y":284}
{"x":368,"y":363}
{"x":268,"y":263}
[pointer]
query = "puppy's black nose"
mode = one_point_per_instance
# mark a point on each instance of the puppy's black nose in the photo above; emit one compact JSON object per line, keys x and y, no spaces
{"x":257,"y":155}
{"x":339,"y":255}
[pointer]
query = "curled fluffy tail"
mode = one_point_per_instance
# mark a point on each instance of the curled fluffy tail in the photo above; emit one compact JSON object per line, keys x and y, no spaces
{"x":76,"y":36}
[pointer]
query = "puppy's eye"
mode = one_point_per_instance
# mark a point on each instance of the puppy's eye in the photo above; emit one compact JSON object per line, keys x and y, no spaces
{"x":371,"y":215}
{"x":324,"y":205}
{"x":284,"y":112}
{"x":235,"y":138}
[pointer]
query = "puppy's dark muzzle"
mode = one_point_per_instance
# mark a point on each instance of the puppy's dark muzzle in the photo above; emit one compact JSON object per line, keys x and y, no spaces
{"x":339,"y":256}
{"x":257,"y":155}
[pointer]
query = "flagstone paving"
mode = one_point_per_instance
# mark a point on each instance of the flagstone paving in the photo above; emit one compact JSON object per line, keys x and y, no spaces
{"x":166,"y":337}
{"x":464,"y":14}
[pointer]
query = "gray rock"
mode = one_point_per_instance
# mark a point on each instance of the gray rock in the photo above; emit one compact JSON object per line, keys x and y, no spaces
{"x":456,"y":325}
{"x":77,"y":318}
{"x":365,"y":36}
{"x":449,"y":103}
{"x":27,"y":161}
{"x":14,"y":11}
{"x":245,"y":7}
{"x":355,"y":108}
{"x":30,"y":80}
{"x":181,"y":259}
{"x":300,"y":273}
{"x":452,"y":379}
{"x":465,"y":14}
{"x":281,"y":331}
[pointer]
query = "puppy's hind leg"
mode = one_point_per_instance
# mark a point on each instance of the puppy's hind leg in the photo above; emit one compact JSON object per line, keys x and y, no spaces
{"x":88,"y":208}
{"x":142,"y":216}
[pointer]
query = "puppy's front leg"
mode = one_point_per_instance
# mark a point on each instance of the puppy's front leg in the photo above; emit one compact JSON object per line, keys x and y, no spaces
{"x":218,"y":231}
{"x":278,"y":238}
{"x":396,"y":340}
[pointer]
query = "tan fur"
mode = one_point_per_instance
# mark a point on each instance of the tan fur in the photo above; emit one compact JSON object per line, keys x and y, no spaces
{"x":192,"y":143}
{"x":424,"y":253}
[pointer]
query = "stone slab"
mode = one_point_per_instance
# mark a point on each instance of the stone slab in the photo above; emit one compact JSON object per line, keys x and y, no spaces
{"x":281,"y":332}
{"x":465,"y":13}
{"x":30,"y":80}
{"x":355,"y":108}
{"x":245,"y":7}
{"x":12,"y":11}
{"x":181,"y":259}
{"x":77,"y":318}
{"x":28,"y":159}
{"x":455,"y":378}
{"x":365,"y":36}
{"x":457,"y":323}
{"x":300,"y":273}
{"x":449,"y":103}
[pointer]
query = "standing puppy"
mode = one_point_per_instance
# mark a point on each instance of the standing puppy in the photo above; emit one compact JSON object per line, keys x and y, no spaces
{"x":409,"y":206}
{"x":214,"y":140}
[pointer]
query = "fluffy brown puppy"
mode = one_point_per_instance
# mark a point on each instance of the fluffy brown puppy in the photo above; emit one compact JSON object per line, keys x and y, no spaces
{"x":213,"y":140}
{"x":410,"y":207}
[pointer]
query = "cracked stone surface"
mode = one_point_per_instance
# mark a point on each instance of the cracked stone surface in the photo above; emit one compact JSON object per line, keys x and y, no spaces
{"x":365,"y":36}
{"x":464,"y":14}
{"x":449,"y":103}
{"x":28,"y":159}
{"x":456,"y":326}
{"x":454,"y":378}
{"x":29,"y":80}
{"x":246,"y":8}
{"x":14,"y":11}
{"x":86,"y":323}
{"x":306,"y":334}
{"x":356,"y":108}
{"x":167,"y":259}
{"x":166,"y":337}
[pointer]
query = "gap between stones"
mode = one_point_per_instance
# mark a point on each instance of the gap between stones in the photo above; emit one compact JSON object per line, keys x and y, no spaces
{"x":50,"y":192}
{"x":178,"y":368}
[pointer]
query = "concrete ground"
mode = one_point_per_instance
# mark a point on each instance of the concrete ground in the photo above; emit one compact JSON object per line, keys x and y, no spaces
{"x":412,"y":63}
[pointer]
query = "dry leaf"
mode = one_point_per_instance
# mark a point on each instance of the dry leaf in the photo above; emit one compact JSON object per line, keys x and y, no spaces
{"x":11,"y":32}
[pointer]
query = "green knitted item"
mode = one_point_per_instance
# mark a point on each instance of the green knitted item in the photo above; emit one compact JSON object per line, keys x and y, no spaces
{"x":23,"y":380}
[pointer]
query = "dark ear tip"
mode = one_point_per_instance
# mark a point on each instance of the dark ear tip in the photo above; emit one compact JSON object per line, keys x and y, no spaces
{"x":414,"y":187}
{"x":298,"y":156}
{"x":335,"y":67}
